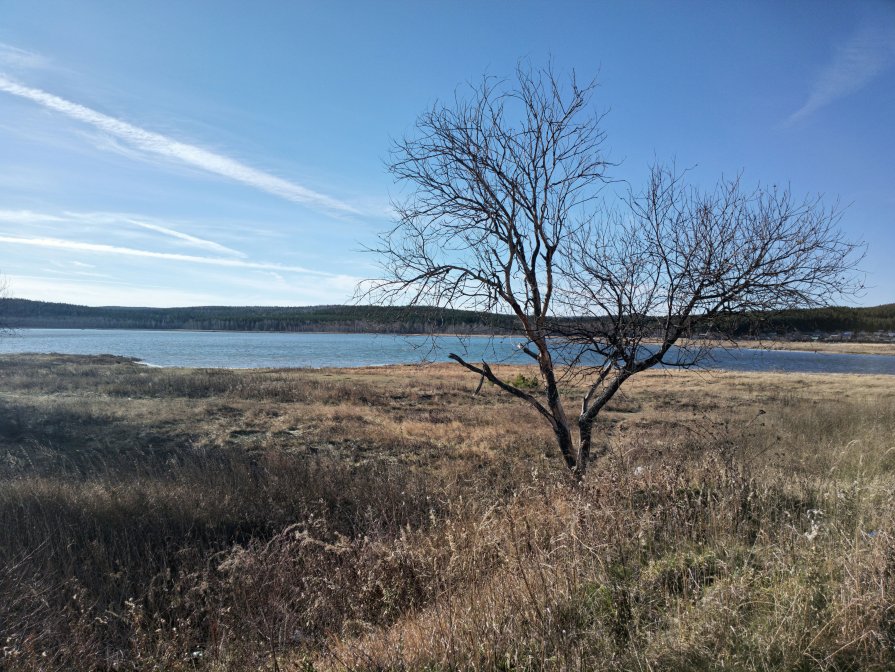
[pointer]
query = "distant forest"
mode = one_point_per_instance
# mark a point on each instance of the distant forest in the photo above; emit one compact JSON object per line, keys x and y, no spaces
{"x":829,"y":320}
{"x":22,"y":313}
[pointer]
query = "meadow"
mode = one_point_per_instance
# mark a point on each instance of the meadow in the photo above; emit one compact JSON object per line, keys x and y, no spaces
{"x":391,"y":519}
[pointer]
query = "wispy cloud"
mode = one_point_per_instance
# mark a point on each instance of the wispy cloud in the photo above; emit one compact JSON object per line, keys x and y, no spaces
{"x":28,"y":217}
{"x":14,"y":57}
{"x":100,"y":248}
{"x":109,"y":291}
{"x":113,"y":218}
{"x":68,"y":273}
{"x":143,"y":223}
{"x":867,"y":53}
{"x":187,"y":238}
{"x":106,"y":292}
{"x":161,"y":145}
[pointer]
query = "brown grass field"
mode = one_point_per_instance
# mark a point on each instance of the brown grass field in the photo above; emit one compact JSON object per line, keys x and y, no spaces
{"x":388,"y":519}
{"x":844,"y":347}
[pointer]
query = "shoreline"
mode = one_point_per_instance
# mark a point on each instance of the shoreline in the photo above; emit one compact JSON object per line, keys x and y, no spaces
{"x":819,"y":347}
{"x":390,"y":368}
{"x":822,"y":347}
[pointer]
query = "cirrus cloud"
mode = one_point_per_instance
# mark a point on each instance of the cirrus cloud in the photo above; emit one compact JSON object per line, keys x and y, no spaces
{"x":101,"y":248}
{"x":867,"y":53}
{"x":161,"y":145}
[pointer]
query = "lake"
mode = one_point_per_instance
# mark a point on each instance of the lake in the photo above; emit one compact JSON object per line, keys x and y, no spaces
{"x":229,"y":349}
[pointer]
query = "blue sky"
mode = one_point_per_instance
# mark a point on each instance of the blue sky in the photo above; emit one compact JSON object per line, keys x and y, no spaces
{"x":188,"y":153}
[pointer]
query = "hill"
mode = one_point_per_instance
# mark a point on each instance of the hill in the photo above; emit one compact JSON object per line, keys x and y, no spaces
{"x":834,"y":319}
{"x":22,"y":313}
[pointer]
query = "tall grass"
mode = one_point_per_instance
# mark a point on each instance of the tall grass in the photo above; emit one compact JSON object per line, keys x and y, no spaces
{"x":677,"y":567}
{"x":371,"y":520}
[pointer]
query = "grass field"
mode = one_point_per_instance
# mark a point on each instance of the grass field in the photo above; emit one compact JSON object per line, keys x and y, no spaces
{"x":388,"y":519}
{"x":834,"y":347}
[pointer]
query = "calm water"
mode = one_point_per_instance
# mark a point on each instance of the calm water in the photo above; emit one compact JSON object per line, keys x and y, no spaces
{"x":256,"y":350}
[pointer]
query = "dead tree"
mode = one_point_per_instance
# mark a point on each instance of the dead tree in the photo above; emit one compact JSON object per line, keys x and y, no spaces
{"x":503,"y":215}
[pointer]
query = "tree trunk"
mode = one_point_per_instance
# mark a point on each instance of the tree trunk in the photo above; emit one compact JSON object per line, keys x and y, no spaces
{"x":554,"y":402}
{"x":585,"y":440}
{"x":564,"y":439}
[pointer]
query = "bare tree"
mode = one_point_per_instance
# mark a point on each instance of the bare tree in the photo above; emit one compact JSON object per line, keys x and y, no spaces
{"x":503,"y":215}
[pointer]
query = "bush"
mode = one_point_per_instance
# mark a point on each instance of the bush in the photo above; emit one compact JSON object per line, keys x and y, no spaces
{"x":524,"y":382}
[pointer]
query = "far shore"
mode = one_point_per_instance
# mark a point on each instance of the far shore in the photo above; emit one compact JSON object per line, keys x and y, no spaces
{"x":833,"y":347}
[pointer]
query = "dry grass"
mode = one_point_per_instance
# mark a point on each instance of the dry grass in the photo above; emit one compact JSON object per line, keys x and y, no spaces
{"x":844,"y":347}
{"x":386,"y":518}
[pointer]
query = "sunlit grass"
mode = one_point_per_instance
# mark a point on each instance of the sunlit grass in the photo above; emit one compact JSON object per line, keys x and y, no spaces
{"x":387,"y":518}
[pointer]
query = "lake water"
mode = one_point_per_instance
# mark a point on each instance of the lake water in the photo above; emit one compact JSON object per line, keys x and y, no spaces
{"x":275,"y":350}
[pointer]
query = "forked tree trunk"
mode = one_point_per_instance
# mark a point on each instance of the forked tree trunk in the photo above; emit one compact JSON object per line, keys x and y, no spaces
{"x":577,"y":458}
{"x":566,"y":445}
{"x":585,"y":441}
{"x":554,"y":402}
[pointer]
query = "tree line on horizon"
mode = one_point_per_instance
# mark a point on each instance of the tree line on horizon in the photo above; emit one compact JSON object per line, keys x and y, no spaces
{"x":24,"y":313}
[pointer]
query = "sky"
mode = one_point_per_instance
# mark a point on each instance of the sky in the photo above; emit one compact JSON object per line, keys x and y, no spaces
{"x":228,"y":153}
